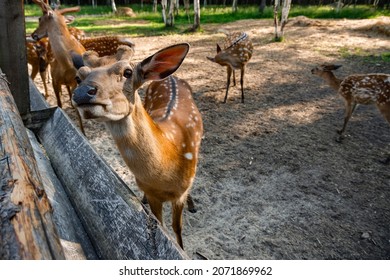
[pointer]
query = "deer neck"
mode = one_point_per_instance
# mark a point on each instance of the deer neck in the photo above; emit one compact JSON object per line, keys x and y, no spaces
{"x":142,"y":144}
{"x":332,"y":80}
{"x":62,"y":43}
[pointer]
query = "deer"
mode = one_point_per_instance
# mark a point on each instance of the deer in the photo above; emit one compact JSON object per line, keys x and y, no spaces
{"x":39,"y":58}
{"x":158,"y":140}
{"x":93,"y":60}
{"x":53,"y":24}
{"x":365,"y":89}
{"x":236,"y":52}
{"x":105,"y":45}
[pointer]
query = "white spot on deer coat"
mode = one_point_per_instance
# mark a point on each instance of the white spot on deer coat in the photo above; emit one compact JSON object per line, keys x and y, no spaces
{"x":188,"y":156}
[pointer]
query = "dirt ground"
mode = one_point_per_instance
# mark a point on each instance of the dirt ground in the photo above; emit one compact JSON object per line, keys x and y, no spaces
{"x":272,"y":182}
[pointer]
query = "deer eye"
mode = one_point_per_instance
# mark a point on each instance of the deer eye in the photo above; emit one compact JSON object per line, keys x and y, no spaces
{"x":127,"y":73}
{"x":78,"y":80}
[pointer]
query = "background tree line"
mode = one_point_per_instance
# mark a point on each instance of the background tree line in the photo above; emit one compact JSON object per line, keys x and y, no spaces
{"x":378,"y":3}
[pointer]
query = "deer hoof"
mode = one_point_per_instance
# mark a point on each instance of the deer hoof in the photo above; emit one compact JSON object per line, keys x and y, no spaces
{"x":192,"y":210}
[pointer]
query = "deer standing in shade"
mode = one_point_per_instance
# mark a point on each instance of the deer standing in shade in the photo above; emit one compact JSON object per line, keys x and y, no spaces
{"x":159,"y":140}
{"x":357,"y":89}
{"x":235,"y":54}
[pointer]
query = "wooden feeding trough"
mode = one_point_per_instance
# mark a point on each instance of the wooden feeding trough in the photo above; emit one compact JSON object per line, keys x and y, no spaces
{"x":58,"y":198}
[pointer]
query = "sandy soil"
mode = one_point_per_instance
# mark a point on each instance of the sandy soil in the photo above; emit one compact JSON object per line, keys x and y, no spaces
{"x":272,"y":182}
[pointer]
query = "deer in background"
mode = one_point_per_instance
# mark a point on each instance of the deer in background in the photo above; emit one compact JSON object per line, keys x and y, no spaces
{"x":357,"y":89}
{"x":236,"y":52}
{"x":38,"y":57}
{"x":93,"y":60}
{"x":53,"y":24}
{"x":105,"y":45}
{"x":159,"y":140}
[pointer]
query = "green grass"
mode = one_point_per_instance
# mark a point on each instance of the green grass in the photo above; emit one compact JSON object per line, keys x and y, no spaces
{"x":101,"y":20}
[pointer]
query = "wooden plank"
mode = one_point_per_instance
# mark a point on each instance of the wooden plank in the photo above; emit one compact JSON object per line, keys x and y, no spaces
{"x":27,"y":229}
{"x":73,"y":238}
{"x":13,"y":58}
{"x":118,"y":225}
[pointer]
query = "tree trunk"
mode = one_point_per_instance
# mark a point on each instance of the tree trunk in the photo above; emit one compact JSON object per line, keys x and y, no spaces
{"x":196,"y":15}
{"x":171,"y":14}
{"x":187,"y":8}
{"x":276,"y":20}
{"x":284,"y":18}
{"x":154,"y":6}
{"x":113,"y":6}
{"x":234,"y":6}
{"x":164,"y":11}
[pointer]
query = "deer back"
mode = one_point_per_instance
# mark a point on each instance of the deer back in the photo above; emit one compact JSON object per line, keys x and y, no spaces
{"x":366,"y":88}
{"x":170,"y":104}
{"x":236,"y":50}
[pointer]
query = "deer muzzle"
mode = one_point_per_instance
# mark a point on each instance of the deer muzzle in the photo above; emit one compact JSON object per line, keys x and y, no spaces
{"x":84,"y":94}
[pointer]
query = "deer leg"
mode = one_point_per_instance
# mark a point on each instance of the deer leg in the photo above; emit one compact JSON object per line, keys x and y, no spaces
{"x":177,"y":220}
{"x":229,"y":74}
{"x":191,"y":204}
{"x":234,"y":78}
{"x":57,"y":91}
{"x":43,"y":77}
{"x":34,"y":72}
{"x":156,"y":207}
{"x":242,"y":84}
{"x":349,"y":108}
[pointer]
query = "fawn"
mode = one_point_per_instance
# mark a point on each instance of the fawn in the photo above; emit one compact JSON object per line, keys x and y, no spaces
{"x":237,"y":51}
{"x":159,"y":140}
{"x":358,"y":89}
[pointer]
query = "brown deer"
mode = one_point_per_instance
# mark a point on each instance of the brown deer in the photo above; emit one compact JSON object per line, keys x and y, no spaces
{"x":358,"y":89}
{"x":93,"y":60}
{"x":38,"y":57}
{"x":159,"y":140}
{"x":53,"y":24}
{"x":236,"y":52}
{"x":105,"y":45}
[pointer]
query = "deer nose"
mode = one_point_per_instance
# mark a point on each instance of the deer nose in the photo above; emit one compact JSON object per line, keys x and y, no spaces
{"x":84,"y":94}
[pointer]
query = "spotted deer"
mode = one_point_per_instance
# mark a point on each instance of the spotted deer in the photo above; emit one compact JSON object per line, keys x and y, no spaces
{"x":93,"y":60}
{"x":236,"y":52}
{"x":356,"y":89}
{"x":53,"y":24}
{"x":159,"y":140}
{"x":105,"y":45}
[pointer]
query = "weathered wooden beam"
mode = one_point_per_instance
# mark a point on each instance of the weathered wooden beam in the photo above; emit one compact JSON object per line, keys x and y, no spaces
{"x":118,"y":225}
{"x":27,"y":230}
{"x":13,"y":58}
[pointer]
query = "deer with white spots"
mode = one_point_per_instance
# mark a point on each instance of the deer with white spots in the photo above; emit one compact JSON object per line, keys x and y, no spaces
{"x":159,"y":140}
{"x":357,"y":89}
{"x":236,"y":52}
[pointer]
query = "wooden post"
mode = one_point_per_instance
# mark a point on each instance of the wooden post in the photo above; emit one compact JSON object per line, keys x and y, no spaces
{"x":27,"y":230}
{"x":13,"y":59}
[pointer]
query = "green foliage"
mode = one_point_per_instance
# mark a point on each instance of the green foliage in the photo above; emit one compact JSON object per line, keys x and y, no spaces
{"x":357,"y":53}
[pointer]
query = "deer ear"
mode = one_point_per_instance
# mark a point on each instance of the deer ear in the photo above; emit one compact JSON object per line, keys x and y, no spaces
{"x":164,"y":63}
{"x":218,"y":49}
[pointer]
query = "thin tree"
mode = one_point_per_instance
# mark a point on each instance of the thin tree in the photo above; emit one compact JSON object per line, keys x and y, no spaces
{"x":234,"y":6}
{"x":286,"y":5}
{"x":113,"y":6}
{"x":196,"y":25}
